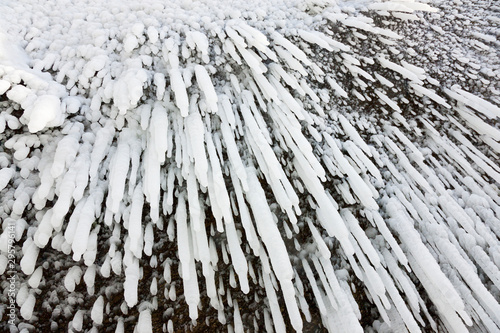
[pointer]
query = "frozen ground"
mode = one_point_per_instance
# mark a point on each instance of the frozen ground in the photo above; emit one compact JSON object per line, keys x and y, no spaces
{"x":206,"y":166}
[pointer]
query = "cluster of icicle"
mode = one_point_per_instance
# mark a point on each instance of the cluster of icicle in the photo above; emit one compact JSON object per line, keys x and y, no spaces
{"x":281,"y":163}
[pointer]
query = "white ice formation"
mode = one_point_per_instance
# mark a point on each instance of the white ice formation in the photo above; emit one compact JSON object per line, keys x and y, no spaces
{"x":279,"y":165}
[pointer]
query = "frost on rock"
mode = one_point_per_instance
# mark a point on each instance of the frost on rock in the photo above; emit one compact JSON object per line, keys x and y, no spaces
{"x":253,"y":166}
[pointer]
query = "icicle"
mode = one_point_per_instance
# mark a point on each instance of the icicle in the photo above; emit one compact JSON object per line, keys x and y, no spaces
{"x":179,"y":88}
{"x":196,"y":131}
{"x":144,"y":323}
{"x":207,"y":87}
{"x":27,"y":307}
{"x":279,"y":324}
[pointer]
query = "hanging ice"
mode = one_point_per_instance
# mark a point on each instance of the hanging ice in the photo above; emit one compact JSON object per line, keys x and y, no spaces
{"x":339,"y":160}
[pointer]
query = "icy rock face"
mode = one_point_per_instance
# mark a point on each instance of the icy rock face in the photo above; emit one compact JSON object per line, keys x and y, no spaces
{"x":212,"y":164}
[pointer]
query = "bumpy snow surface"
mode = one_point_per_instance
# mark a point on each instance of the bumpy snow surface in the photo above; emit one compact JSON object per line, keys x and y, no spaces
{"x":250,"y":165}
